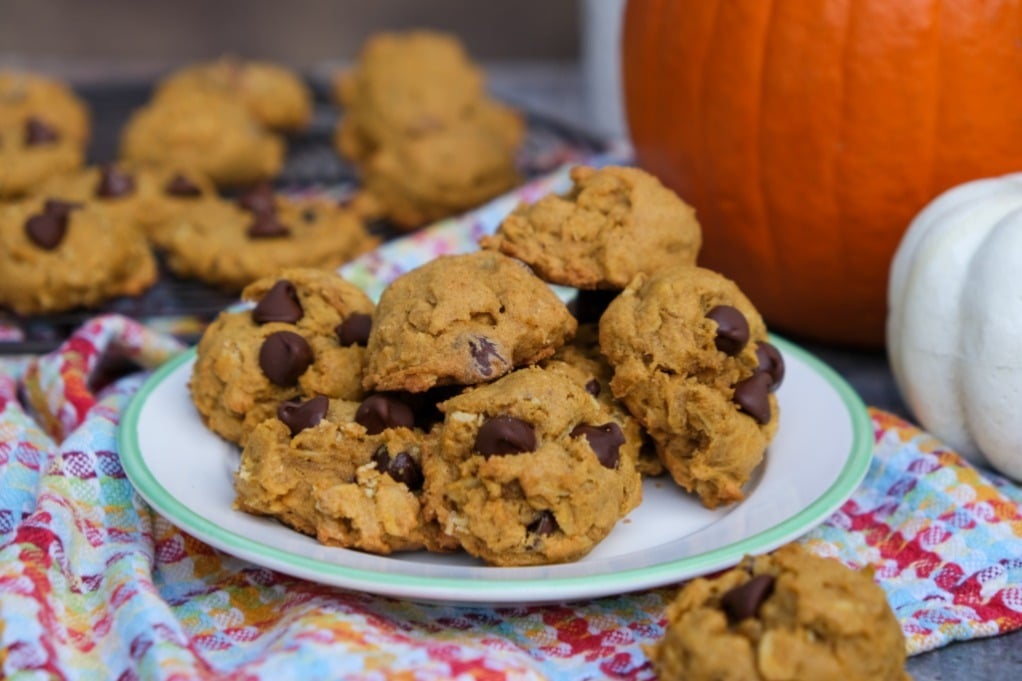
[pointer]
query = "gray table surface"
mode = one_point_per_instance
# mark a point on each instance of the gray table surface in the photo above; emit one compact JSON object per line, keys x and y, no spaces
{"x":557,"y":90}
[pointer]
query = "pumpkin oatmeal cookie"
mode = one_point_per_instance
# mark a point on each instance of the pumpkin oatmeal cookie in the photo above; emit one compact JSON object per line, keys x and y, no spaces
{"x":462,"y":320}
{"x":57,"y":256}
{"x":231,"y":243}
{"x":276,"y":96}
{"x":26,"y":97}
{"x":30,"y":154}
{"x":693,"y":364}
{"x":530,"y":469}
{"x":419,"y":127}
{"x":614,"y":223}
{"x":205,"y":132}
{"x":304,"y":335}
{"x":151,"y":197}
{"x":786,"y":615}
{"x":347,"y":473}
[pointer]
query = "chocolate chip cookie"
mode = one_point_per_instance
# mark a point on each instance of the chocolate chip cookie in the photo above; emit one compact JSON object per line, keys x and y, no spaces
{"x":582,"y":361}
{"x":30,"y":154}
{"x":347,"y":473}
{"x":787,"y":615}
{"x":530,"y":469}
{"x":205,"y":132}
{"x":57,"y":256}
{"x":462,"y":320}
{"x":693,"y":364}
{"x":433,"y":176}
{"x":151,"y":197}
{"x":49,"y":103}
{"x":231,"y":243}
{"x":276,"y":96}
{"x":305,"y":335}
{"x":613,"y":224}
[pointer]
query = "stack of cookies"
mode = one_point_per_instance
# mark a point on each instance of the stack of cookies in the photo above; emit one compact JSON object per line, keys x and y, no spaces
{"x":473,"y":410}
{"x":425,"y":138}
{"x":220,"y":119}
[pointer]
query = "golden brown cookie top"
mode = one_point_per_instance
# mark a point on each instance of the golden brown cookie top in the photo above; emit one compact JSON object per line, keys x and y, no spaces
{"x":786,"y":615}
{"x":693,"y":364}
{"x":300,"y":338}
{"x":463,"y":320}
{"x":531,"y":469}
{"x":274,"y":94}
{"x":30,"y":154}
{"x":56,"y":256}
{"x":30,"y":96}
{"x":412,"y":82}
{"x":433,"y":176}
{"x":226,"y":244}
{"x":343,"y":473}
{"x":204,"y":131}
{"x":613,"y":224}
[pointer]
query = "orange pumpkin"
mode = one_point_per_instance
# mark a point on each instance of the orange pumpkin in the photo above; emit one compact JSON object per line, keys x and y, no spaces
{"x":808,"y":134}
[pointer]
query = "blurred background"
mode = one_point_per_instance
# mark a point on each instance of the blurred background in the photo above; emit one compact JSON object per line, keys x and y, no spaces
{"x":538,"y":51}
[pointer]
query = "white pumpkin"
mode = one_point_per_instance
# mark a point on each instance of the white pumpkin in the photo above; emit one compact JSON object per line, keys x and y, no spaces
{"x":954,"y":324}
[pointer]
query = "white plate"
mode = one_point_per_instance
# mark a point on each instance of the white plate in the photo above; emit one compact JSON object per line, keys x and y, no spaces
{"x":818,"y":458}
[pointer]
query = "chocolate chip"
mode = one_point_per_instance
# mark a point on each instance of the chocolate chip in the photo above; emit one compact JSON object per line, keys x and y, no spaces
{"x":283,"y":357}
{"x":39,"y":132}
{"x":298,"y":415}
{"x":545,"y":524}
{"x":771,"y":363}
{"x":589,"y":305}
{"x":259,"y":199}
{"x":484,"y":351}
{"x":593,"y":388}
{"x":182,"y":187}
{"x":58,"y":207}
{"x":379,"y":412}
{"x":402,"y":468}
{"x":743,"y":602}
{"x":751,"y":396}
{"x":280,"y":304}
{"x":732,"y":329}
{"x":505,"y":435}
{"x":267,"y":226}
{"x":605,"y":440}
{"x":46,"y":229}
{"x":309,"y":215}
{"x":355,"y":329}
{"x":114,"y":183}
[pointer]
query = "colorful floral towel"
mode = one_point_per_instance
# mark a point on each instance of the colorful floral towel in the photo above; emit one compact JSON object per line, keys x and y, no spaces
{"x":95,"y":585}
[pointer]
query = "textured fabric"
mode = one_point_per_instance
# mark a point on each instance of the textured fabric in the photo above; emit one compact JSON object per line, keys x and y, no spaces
{"x":94,"y":585}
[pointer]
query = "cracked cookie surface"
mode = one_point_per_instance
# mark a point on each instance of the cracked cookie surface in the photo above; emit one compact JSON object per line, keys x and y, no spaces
{"x":786,"y":615}
{"x":614,"y":223}
{"x":339,"y":481}
{"x":688,"y":348}
{"x":530,"y":469}
{"x":463,"y":320}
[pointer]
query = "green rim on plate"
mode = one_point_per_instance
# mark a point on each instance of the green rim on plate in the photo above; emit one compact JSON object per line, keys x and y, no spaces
{"x":850,"y":476}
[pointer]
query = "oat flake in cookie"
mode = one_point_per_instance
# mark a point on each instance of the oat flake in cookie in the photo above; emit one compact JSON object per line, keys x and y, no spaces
{"x":347,"y":473}
{"x":692,"y":363}
{"x":463,"y":320}
{"x":789,"y":615}
{"x":289,"y":345}
{"x":530,"y":469}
